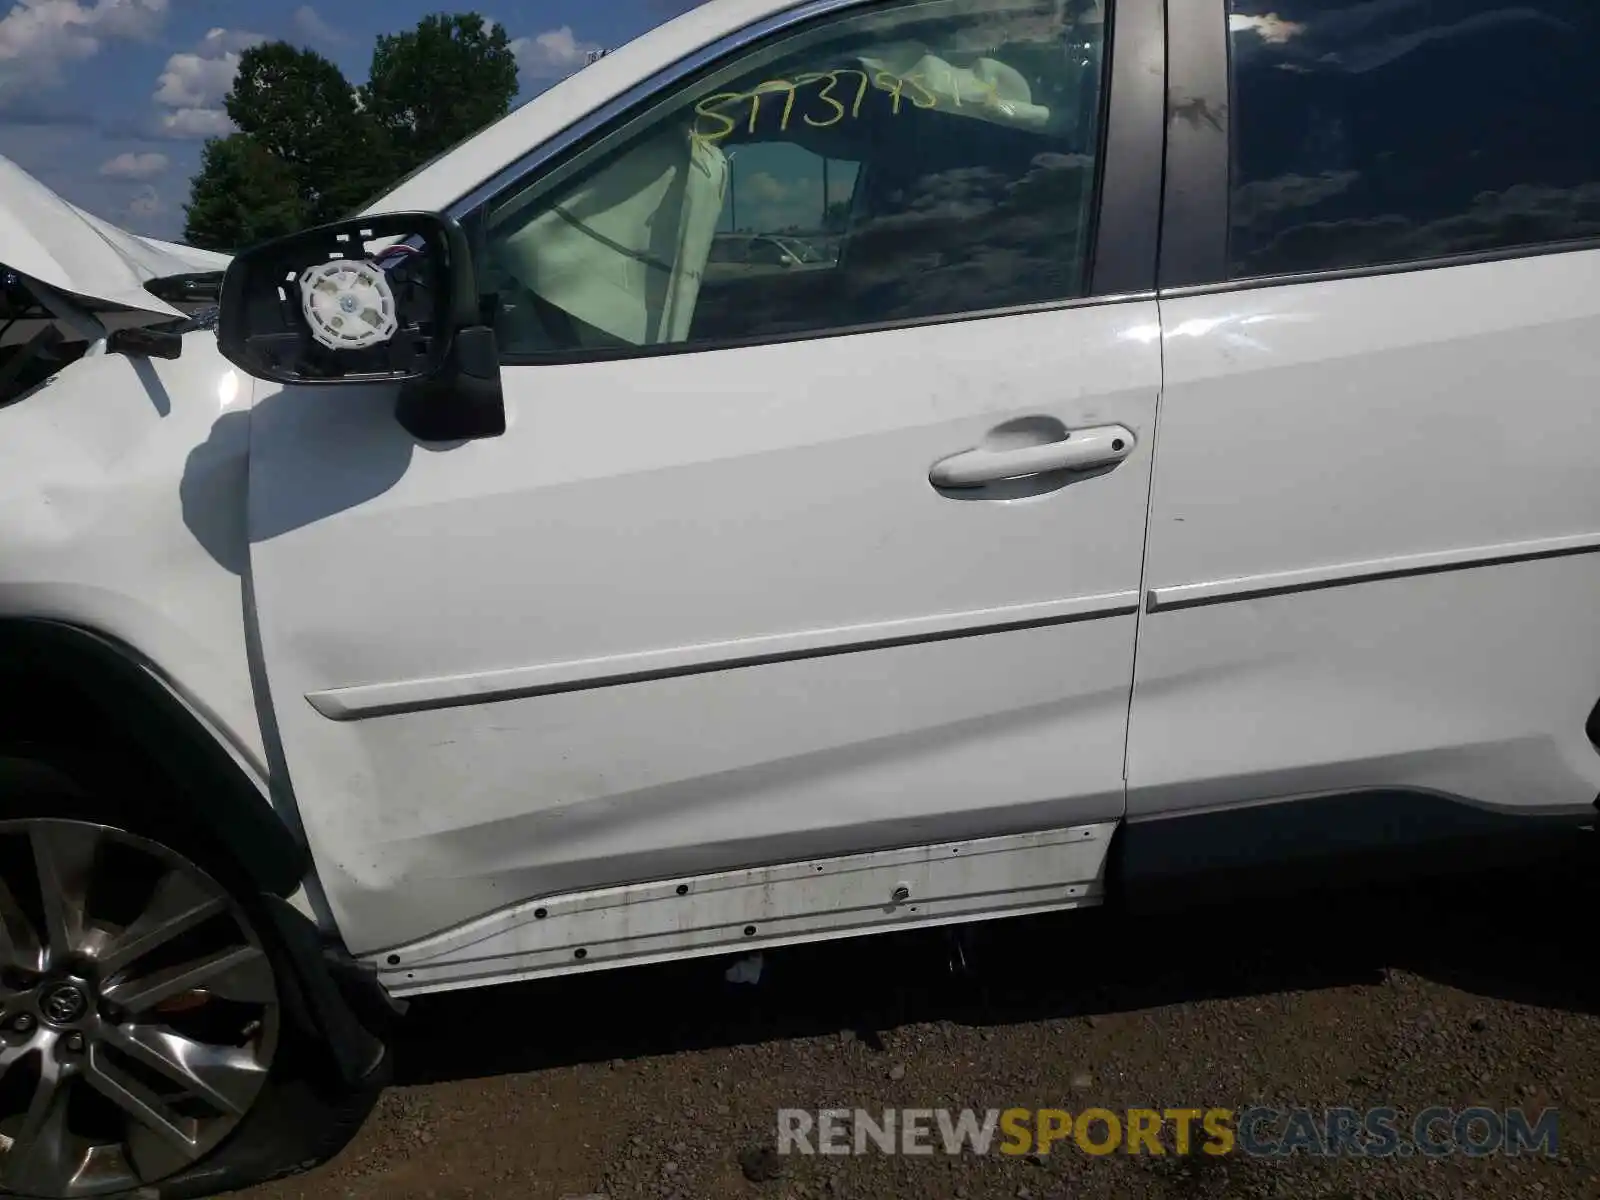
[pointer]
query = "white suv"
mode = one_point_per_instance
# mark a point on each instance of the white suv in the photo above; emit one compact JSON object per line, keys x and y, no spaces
{"x":1187,"y":459}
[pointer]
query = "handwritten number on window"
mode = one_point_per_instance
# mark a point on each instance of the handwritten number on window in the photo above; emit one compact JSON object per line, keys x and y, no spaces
{"x":714,"y":108}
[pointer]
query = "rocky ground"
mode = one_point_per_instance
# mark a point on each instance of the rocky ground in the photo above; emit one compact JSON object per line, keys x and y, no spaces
{"x":665,"y":1081}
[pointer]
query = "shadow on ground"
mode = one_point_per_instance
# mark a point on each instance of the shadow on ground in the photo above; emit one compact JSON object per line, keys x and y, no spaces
{"x":1515,"y":932}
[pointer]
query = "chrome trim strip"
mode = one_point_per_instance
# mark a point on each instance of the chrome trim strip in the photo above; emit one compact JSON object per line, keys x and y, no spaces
{"x":1222,"y":591}
{"x":515,"y":683}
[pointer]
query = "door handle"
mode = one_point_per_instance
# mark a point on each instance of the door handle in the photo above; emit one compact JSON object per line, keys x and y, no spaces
{"x":1080,"y":450}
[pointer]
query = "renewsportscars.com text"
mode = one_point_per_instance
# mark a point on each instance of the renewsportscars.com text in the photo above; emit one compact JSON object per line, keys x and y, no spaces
{"x":1257,"y":1131}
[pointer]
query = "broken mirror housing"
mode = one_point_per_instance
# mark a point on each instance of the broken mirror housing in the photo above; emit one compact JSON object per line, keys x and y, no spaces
{"x":371,"y":300}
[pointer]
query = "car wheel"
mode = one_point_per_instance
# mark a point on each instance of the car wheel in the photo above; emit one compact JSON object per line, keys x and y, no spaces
{"x":148,"y":1040}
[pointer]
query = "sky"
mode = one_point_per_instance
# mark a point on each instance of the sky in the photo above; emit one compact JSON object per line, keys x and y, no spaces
{"x":108,"y":102}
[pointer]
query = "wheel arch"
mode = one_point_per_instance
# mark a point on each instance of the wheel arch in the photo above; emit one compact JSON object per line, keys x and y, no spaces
{"x":66,"y":692}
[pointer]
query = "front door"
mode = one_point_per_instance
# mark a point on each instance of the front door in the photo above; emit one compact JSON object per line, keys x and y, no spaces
{"x":818,"y":524}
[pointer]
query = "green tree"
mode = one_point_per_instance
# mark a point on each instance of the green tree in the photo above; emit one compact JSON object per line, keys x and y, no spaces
{"x":299,"y":107}
{"x":310,"y":148}
{"x":242,"y":195}
{"x":304,"y":153}
{"x":432,"y":86}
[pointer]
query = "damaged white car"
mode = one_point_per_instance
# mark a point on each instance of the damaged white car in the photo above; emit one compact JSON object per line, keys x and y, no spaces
{"x":68,"y":280}
{"x":1169,"y":449}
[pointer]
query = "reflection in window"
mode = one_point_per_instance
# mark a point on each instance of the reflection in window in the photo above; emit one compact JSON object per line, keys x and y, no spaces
{"x":1369,"y":133}
{"x":933,"y":157}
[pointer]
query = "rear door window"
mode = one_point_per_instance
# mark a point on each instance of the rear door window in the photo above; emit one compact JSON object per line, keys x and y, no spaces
{"x":1404,"y":130}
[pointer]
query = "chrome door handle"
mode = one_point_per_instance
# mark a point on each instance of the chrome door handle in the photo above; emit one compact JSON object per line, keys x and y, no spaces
{"x":1080,"y":450}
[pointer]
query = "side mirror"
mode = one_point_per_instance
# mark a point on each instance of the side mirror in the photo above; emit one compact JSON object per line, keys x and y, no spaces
{"x":370,"y":300}
{"x":390,"y":299}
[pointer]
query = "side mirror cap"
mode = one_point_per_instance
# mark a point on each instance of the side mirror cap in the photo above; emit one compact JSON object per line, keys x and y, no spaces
{"x":369,"y":300}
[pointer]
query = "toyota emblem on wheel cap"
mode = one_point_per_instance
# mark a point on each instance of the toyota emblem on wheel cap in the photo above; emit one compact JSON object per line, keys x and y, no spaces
{"x":63,"y":1004}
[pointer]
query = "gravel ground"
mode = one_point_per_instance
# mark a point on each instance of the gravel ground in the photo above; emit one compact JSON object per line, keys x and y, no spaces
{"x":665,"y":1081}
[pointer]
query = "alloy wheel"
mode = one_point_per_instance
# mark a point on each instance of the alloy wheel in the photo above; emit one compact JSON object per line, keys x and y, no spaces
{"x":138,"y":1010}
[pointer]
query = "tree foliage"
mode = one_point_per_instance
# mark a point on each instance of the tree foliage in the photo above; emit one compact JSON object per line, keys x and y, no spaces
{"x":241,"y":196}
{"x":300,"y":108}
{"x":312,"y":148}
{"x":431,"y":86}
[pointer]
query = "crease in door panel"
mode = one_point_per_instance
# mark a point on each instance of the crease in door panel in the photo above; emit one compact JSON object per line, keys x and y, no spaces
{"x":1144,"y":554}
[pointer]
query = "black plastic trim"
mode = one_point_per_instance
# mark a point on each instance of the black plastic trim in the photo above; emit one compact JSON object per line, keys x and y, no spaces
{"x":1194,"y":233}
{"x":139,"y":341}
{"x":605,"y":354}
{"x":1128,"y":221}
{"x":465,"y":400}
{"x":1288,"y":846}
{"x":322,"y":1002}
{"x":111,"y":691}
{"x":1377,"y":270}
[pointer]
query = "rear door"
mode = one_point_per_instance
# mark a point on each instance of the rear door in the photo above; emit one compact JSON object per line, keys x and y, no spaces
{"x":1374,"y":525}
{"x":772,"y":562}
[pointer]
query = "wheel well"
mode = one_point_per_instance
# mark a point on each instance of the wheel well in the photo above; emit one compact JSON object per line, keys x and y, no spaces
{"x":88,"y":708}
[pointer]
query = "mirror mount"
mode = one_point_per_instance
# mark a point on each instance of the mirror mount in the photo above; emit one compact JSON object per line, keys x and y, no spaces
{"x":461,"y":402}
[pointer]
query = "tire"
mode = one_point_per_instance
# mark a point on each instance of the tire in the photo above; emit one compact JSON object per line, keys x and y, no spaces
{"x":154,"y":1032}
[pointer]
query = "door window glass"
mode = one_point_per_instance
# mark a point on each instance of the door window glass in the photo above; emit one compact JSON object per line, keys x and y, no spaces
{"x":1390,"y":132}
{"x":908,"y":160}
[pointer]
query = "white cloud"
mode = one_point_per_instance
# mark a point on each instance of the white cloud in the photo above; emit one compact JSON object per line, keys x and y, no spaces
{"x":553,"y":54}
{"x":308,"y":22}
{"x":767,"y":204}
{"x":39,"y":37}
{"x":135,"y":166}
{"x":196,"y":123}
{"x":191,"y":81}
{"x":228,"y":41}
{"x":766,"y":187}
{"x":1270,"y":28}
{"x":194,"y":83}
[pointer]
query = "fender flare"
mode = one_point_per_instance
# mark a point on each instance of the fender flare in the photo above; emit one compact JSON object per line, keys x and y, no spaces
{"x":142,"y":713}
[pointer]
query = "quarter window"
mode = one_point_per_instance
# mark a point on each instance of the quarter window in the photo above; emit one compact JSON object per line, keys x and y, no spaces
{"x":1371,"y":133}
{"x":908,"y":160}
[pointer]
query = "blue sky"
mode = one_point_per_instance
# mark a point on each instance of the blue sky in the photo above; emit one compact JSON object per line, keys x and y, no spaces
{"x":109,"y":101}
